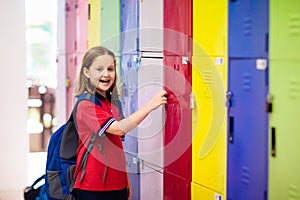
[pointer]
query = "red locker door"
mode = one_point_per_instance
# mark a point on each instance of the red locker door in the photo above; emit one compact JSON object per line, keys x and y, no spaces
{"x":176,"y":188}
{"x":177,"y":27}
{"x":178,"y":133}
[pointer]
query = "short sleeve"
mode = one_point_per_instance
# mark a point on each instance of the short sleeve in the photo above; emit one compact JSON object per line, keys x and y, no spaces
{"x":93,"y":117}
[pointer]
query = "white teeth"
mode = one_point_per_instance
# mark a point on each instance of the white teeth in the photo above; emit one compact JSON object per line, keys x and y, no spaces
{"x":104,"y":81}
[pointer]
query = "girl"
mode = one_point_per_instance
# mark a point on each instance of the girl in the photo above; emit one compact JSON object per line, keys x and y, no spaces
{"x":105,"y":175}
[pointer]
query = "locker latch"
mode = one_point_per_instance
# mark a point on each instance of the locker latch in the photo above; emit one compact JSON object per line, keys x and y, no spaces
{"x":192,"y":101}
{"x":269,"y":106}
{"x":229,"y":96}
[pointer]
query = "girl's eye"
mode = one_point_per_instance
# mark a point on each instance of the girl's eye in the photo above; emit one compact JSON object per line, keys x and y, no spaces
{"x":100,"y":69}
{"x":110,"y":69}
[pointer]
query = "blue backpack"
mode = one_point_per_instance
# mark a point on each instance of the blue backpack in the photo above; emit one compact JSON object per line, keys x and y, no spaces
{"x":61,"y":156}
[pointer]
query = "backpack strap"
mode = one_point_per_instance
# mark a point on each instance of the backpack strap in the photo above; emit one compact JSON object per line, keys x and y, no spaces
{"x":94,"y":99}
{"x":38,"y":180}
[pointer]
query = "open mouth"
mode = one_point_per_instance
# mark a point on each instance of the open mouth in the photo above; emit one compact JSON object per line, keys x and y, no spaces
{"x":104,"y":81}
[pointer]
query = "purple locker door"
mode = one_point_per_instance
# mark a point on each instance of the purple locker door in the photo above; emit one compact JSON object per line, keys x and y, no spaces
{"x":70,"y":26}
{"x":178,"y":133}
{"x":82,"y":26}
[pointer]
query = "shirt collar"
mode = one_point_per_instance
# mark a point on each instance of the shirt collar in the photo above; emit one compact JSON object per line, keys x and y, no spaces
{"x":99,"y":96}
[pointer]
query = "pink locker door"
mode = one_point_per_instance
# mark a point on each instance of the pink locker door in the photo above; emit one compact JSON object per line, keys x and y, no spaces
{"x":71,"y":26}
{"x":70,"y":72}
{"x":73,"y":64}
{"x":82,"y":26}
{"x":177,"y":27}
{"x":178,"y":131}
{"x":176,"y":188}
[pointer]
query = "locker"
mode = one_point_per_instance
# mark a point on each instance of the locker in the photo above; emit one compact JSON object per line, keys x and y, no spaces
{"x":209,"y":123}
{"x":71,"y":26}
{"x":284,"y":29}
{"x":248,"y":28}
{"x":133,"y":168}
{"x":151,"y":25}
{"x":110,"y":28}
{"x":129,"y":82}
{"x":178,"y":132}
{"x":284,"y":162}
{"x":94,"y":23}
{"x":151,"y":182}
{"x":110,"y":25}
{"x":176,"y":188}
{"x":82,"y":26}
{"x":150,"y":131}
{"x":129,"y":26}
{"x":201,"y":192}
{"x":177,"y":27}
{"x":210,"y":28}
{"x":247,"y":135}
{"x":129,"y":103}
{"x":73,"y":61}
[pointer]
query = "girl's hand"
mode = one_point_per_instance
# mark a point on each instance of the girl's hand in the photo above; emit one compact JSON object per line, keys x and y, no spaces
{"x":159,"y":99}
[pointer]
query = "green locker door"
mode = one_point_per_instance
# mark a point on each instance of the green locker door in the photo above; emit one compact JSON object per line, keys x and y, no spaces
{"x":284,"y":148}
{"x":284,"y":137}
{"x":284,"y":29}
{"x":110,"y":28}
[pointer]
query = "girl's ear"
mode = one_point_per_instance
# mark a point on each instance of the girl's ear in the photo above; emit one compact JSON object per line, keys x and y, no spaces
{"x":86,"y":72}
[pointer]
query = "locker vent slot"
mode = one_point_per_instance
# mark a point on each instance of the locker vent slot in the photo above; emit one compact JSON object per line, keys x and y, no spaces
{"x":245,"y":175}
{"x":293,"y":192}
{"x":294,"y":88}
{"x":247,"y":26}
{"x":294,"y":25}
{"x":208,"y":77}
{"x":246,"y":82}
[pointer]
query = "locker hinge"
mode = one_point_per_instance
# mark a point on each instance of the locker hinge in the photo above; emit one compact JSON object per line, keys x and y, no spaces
{"x":192,"y":101}
{"x":229,"y":96}
{"x":269,"y":106}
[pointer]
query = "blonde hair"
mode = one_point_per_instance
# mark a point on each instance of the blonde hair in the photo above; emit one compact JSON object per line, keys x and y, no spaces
{"x":82,"y":83}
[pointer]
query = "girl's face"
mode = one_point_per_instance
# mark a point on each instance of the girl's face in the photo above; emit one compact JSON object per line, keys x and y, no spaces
{"x":101,"y":73}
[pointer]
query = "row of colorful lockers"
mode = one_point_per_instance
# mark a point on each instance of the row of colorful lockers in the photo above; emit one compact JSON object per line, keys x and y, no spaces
{"x":231,"y":68}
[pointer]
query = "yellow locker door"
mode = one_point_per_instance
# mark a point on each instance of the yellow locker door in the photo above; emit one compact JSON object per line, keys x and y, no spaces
{"x":209,"y":84}
{"x":209,"y":125}
{"x":94,"y":23}
{"x":210,"y":27}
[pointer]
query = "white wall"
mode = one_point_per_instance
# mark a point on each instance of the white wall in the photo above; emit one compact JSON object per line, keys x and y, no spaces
{"x":14,"y":142}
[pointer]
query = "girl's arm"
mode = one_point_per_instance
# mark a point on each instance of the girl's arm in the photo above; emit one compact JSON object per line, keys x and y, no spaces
{"x":125,"y":125}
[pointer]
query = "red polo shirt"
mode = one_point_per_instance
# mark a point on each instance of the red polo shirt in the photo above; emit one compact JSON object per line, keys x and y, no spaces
{"x":93,"y":119}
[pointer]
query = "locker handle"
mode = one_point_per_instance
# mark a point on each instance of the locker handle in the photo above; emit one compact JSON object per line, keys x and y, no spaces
{"x":273,"y":142}
{"x":89,"y":11}
{"x":231,"y":129}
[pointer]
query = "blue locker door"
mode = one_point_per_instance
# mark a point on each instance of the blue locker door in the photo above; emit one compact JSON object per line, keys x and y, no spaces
{"x":129,"y":82}
{"x":248,"y":27}
{"x":247,"y":130}
{"x":129,"y":26}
